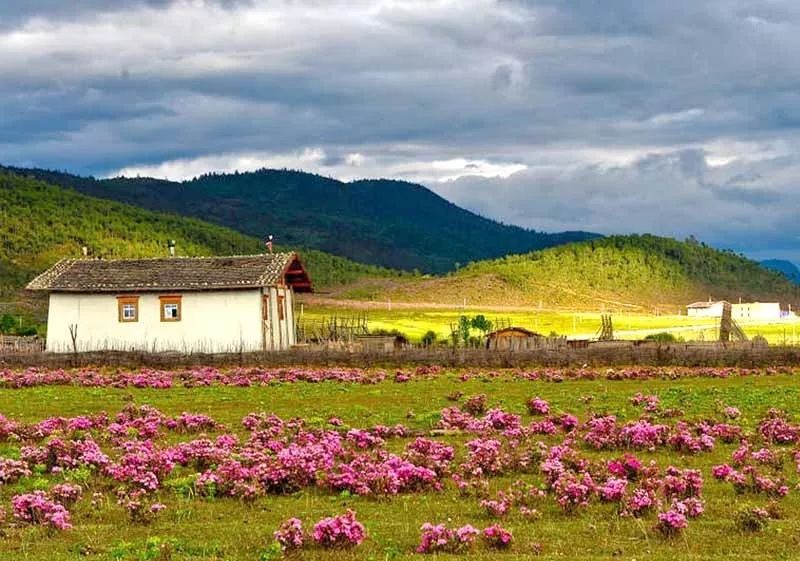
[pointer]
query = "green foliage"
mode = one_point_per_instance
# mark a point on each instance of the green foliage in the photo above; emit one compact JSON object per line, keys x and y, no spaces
{"x":7,"y":324}
{"x":271,"y":553}
{"x":429,"y":338}
{"x":388,"y":223}
{"x":663,"y":337}
{"x":480,"y":323}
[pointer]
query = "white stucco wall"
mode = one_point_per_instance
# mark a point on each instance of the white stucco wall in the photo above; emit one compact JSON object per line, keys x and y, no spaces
{"x":756,"y":311}
{"x":713,"y":311}
{"x":213,"y":321}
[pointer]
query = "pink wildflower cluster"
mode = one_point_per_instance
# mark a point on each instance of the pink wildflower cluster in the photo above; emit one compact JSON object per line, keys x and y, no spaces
{"x":39,"y":508}
{"x":671,"y":522}
{"x":339,"y":531}
{"x":651,"y":403}
{"x":242,"y":377}
{"x":538,"y":406}
{"x":497,"y":537}
{"x":440,"y":538}
{"x":290,"y":534}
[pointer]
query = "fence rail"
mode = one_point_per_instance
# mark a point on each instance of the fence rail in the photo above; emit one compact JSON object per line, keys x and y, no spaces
{"x":11,"y":344}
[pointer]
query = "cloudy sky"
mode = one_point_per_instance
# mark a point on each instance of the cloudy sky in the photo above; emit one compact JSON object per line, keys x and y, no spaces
{"x":675,"y":117}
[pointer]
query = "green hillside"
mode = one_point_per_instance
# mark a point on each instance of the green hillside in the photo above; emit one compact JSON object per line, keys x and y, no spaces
{"x":389,"y":223}
{"x":42,"y":223}
{"x":614,"y":272}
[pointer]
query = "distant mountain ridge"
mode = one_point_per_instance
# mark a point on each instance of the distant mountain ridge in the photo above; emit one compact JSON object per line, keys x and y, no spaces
{"x":788,"y":268}
{"x":42,"y":223}
{"x":383,"y":222}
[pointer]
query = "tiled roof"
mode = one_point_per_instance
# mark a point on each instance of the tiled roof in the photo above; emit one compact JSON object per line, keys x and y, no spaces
{"x":705,"y":304}
{"x":174,"y":273}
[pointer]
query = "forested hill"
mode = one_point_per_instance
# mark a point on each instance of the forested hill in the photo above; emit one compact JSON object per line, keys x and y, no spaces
{"x":639,"y":271}
{"x":42,"y":223}
{"x":389,"y":223}
{"x":782,"y":266}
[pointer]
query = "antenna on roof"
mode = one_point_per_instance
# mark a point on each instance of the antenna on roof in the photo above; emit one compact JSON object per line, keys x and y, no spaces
{"x":269,"y":243}
{"x":171,"y":248}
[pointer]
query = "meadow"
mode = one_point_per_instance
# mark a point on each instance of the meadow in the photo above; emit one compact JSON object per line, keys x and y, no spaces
{"x":205,"y":464}
{"x":416,"y":321}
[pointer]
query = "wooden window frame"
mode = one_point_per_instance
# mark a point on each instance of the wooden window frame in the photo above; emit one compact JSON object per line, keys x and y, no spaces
{"x":167,"y":300}
{"x":123,"y":301}
{"x":281,"y":307}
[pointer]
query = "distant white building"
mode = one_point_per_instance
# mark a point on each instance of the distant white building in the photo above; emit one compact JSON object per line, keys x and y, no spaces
{"x":706,"y":309}
{"x":763,"y":311}
{"x":188,"y":304}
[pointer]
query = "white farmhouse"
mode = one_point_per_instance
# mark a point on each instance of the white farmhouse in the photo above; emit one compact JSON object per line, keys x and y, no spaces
{"x":706,"y":309}
{"x":761,"y":311}
{"x":189,"y":304}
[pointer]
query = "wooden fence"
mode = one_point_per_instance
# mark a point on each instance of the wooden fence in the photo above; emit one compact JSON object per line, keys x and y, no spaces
{"x":596,"y":355}
{"x":11,"y":344}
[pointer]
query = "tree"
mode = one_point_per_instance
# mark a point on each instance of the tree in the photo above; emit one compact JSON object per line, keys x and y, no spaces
{"x":7,"y":324}
{"x":429,"y":338}
{"x":482,"y":324}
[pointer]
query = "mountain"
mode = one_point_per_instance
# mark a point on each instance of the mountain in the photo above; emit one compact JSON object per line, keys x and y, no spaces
{"x":389,"y":223}
{"x":42,"y":223}
{"x":618,"y":272}
{"x":788,"y":268}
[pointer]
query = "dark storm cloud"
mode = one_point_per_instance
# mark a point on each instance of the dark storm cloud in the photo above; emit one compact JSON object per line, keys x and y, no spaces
{"x":614,"y":116}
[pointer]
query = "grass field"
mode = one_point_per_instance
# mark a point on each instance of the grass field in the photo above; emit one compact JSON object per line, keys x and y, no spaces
{"x":414,"y":322}
{"x":193,"y":528}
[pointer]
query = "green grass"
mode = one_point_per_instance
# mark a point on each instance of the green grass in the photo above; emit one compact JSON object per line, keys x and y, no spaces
{"x":225,"y":529}
{"x":414,"y":322}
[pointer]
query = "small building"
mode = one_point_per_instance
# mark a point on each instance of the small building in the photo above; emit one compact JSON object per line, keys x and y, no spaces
{"x":381,"y":343}
{"x":761,"y":311}
{"x":706,"y":309}
{"x":188,"y":304}
{"x":520,"y":339}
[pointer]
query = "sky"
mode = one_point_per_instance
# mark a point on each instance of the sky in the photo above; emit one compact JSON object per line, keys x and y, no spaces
{"x":674,"y":117}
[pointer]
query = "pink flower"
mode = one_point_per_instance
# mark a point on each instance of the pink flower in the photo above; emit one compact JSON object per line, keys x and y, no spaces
{"x":339,"y":531}
{"x":671,"y":522}
{"x":538,"y":406}
{"x":497,"y":537}
{"x":290,"y":534}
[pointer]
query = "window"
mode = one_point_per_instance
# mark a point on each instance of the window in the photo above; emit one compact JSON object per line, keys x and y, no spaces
{"x":281,"y":307}
{"x":170,"y":308}
{"x":128,"y":309}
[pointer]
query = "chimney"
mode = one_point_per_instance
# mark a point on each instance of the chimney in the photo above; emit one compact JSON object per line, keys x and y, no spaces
{"x":171,"y":248}
{"x":269,"y":243}
{"x":85,"y":251}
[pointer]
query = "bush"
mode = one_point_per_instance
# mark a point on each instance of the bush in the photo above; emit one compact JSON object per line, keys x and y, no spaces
{"x":663,"y":337}
{"x":751,"y":519}
{"x":429,"y":338}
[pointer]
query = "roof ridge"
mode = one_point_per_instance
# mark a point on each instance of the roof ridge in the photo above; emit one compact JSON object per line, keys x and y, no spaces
{"x":184,"y":257}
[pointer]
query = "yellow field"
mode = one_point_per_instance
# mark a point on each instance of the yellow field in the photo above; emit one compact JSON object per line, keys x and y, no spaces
{"x":414,"y":322}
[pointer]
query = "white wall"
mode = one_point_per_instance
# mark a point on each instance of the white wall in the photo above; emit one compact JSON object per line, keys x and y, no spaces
{"x":714,"y":311}
{"x":212,"y":321}
{"x":756,"y":311}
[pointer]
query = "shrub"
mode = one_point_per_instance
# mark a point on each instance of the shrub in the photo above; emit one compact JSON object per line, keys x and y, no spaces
{"x":663,"y":337}
{"x":751,"y":519}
